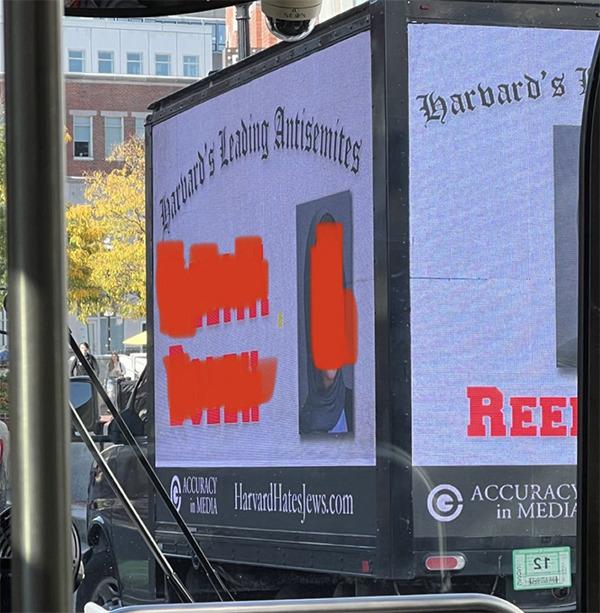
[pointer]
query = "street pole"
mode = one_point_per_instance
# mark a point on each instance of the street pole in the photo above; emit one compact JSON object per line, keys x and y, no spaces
{"x":42,"y":577}
{"x":108,"y":332}
{"x":242,"y":14}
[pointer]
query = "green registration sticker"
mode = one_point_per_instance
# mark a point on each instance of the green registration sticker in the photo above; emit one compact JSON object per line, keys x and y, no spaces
{"x":543,"y":568}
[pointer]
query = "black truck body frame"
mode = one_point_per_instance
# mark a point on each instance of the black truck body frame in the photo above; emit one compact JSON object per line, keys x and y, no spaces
{"x":381,"y":546}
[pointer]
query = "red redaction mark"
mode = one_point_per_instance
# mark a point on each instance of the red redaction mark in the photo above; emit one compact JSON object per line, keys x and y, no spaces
{"x":332,"y":307}
{"x":238,"y":383}
{"x":210,"y":283}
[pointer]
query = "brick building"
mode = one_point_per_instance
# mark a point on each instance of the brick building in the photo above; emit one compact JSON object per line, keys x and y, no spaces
{"x":260,"y":36}
{"x":114,"y":69}
{"x":102,"y":111}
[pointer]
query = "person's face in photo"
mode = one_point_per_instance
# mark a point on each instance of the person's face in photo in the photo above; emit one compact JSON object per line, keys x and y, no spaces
{"x":328,"y":377}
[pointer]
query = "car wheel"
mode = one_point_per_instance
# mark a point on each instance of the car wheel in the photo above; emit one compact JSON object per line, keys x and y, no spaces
{"x":100,"y":584}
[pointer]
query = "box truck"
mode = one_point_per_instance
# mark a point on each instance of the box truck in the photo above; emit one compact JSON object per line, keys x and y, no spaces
{"x":362,"y":273}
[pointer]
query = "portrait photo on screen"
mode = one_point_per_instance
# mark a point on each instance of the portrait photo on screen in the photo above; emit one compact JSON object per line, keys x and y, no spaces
{"x":326,"y":397}
{"x":566,"y":179}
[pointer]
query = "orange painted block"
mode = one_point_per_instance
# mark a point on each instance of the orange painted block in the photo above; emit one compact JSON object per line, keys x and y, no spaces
{"x":334,"y":322}
{"x":238,"y":383}
{"x":212,"y":282}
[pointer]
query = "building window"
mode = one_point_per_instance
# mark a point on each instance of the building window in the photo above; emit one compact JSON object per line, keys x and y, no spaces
{"x":140,"y":130}
{"x":162,"y":64}
{"x":134,"y":63}
{"x":191,"y":65}
{"x":113,"y":134}
{"x":76,"y":60}
{"x":106,"y":62}
{"x":219,"y":36}
{"x":82,"y":137}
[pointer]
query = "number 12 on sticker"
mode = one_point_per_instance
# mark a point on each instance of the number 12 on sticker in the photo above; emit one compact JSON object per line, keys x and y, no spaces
{"x":543,"y":568}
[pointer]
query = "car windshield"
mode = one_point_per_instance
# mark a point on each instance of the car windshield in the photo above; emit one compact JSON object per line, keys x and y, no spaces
{"x":324,"y":300}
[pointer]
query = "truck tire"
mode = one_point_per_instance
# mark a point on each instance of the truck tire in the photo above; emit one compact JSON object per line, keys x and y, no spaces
{"x":100,"y":584}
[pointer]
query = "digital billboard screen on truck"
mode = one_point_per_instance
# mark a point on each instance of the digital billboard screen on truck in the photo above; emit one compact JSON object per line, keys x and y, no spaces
{"x":263,"y":314}
{"x":494,"y":147}
{"x":364,"y":265}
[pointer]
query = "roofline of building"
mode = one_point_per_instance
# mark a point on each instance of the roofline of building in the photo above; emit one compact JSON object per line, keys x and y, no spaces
{"x":89,"y":77}
{"x":92,"y":77}
{"x":192,"y":19}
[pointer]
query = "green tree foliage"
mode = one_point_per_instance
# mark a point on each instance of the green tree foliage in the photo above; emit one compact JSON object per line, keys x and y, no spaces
{"x":106,"y":239}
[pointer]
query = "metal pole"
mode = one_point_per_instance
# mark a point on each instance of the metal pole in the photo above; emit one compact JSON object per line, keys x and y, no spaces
{"x":108,"y":333}
{"x":212,"y":576}
{"x":41,"y":548}
{"x":242,"y":14}
{"x":588,"y":463}
{"x":422,"y":603}
{"x":135,"y":517}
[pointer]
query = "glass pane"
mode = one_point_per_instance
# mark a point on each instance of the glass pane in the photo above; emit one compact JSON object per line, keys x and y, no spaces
{"x":139,"y":127}
{"x":76,"y":61}
{"x":163,"y":65}
{"x":81,"y":136}
{"x":134,"y":63}
{"x":409,"y":304}
{"x":113,"y":133}
{"x":82,"y":133}
{"x":105,"y":61}
{"x":81,"y":149}
{"x":190,"y":65}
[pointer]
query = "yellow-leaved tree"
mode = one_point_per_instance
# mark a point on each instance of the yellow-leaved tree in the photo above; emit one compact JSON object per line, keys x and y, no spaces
{"x":106,"y":240}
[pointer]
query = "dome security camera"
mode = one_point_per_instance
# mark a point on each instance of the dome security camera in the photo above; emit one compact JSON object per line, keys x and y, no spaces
{"x":291,"y":20}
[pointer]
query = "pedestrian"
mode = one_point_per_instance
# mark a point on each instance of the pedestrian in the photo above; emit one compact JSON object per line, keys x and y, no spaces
{"x":77,"y":368}
{"x":115,"y":371}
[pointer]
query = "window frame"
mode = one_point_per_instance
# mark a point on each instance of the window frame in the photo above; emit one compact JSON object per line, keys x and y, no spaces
{"x":194,"y":64}
{"x":100,"y":60}
{"x":107,"y":120}
{"x":165,"y":63}
{"x":217,"y":30}
{"x":90,"y":126}
{"x":139,"y":62}
{"x":71,"y":59}
{"x":140,"y":126}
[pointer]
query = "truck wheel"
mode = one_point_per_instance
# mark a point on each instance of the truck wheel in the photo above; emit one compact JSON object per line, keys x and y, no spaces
{"x":100,"y":584}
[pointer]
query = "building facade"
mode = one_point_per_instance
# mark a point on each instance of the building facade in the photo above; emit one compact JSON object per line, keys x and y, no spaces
{"x":101,"y":112}
{"x":186,"y":46}
{"x":114,"y":69}
{"x":260,"y":36}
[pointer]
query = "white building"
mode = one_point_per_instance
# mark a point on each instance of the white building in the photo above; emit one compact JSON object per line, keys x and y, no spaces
{"x":186,"y":46}
{"x":133,"y":60}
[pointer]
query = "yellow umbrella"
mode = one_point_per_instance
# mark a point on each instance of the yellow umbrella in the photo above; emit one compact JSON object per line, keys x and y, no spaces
{"x":137,"y":340}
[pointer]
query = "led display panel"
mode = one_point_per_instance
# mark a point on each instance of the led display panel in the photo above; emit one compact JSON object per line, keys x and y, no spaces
{"x":263,"y":318}
{"x":495,"y":116}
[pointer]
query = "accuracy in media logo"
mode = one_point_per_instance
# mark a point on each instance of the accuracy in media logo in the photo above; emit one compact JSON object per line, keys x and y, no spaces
{"x":445,"y":502}
{"x":175,"y":492}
